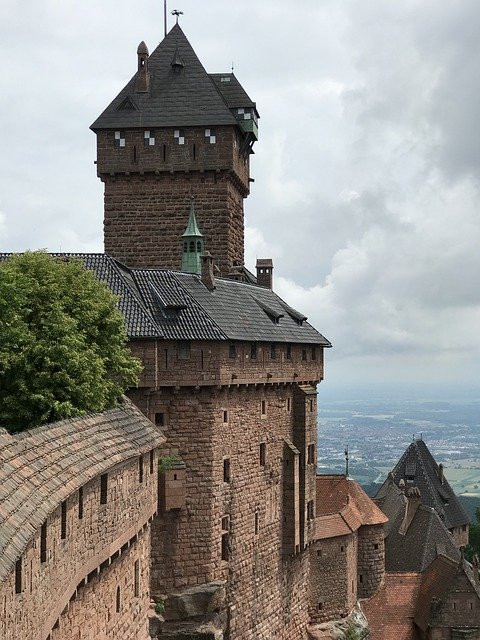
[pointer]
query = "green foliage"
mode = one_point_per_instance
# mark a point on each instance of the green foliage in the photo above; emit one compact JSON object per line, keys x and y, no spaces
{"x":167,"y":463}
{"x":473,"y":546}
{"x":62,"y":342}
{"x":159,"y":606}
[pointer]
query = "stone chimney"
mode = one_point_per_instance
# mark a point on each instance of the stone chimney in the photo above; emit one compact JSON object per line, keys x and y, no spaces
{"x":475,"y":565}
{"x":208,"y":279}
{"x":143,"y":77}
{"x":440,"y":472}
{"x":413,"y":502}
{"x":401,"y":485}
{"x":265,"y":272}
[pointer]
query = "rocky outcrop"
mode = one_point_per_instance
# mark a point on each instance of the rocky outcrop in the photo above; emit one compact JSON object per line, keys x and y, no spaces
{"x":354,"y":627}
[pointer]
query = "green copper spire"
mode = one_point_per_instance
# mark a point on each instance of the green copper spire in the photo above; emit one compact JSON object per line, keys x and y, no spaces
{"x":192,"y":244}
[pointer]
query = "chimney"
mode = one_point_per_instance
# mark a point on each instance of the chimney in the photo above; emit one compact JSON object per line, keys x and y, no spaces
{"x":475,"y":565}
{"x":413,"y":502}
{"x":265,"y":272}
{"x":401,"y":485}
{"x":143,"y":77}
{"x":440,"y":472}
{"x":207,"y":277}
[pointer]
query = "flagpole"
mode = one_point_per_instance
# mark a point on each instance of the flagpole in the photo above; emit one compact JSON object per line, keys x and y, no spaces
{"x":165,"y":16}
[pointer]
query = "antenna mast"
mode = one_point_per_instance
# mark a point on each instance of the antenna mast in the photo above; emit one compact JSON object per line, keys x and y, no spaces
{"x":165,"y":16}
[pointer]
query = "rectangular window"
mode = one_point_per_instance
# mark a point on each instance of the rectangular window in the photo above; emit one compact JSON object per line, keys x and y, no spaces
{"x":311,"y":454}
{"x":289,"y":351}
{"x":314,"y":352}
{"x":160,"y":419}
{"x":232,"y":350}
{"x":360,"y":578}
{"x":263,"y":454}
{"x":253,"y":350}
{"x":119,"y":138}
{"x":211,"y":136}
{"x":179,"y":136}
{"x":183,"y":350}
{"x":311,"y":405}
{"x":264,"y":408}
{"x":149,"y":138}
{"x":152,"y":460}
{"x":257,"y":522}
{"x":225,"y":533}
{"x":289,"y":404}
{"x":103,"y":488}
{"x":273,"y":351}
{"x":140,"y":469}
{"x":63,"y":527}
{"x":80,"y":503}
{"x":43,"y":542}
{"x":18,"y":576}
{"x":310,"y":510}
{"x":304,"y":354}
{"x":136,"y":578}
{"x":225,"y":416}
{"x":226,"y":470}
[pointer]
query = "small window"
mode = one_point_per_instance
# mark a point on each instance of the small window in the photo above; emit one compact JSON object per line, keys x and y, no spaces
{"x":149,"y":138}
{"x":342,"y":549}
{"x":199,"y":247}
{"x":257,"y":522}
{"x":311,"y":405}
{"x":179,"y":136}
{"x":314,"y":352}
{"x":263,"y":454}
{"x":253,"y":350}
{"x":320,"y":606}
{"x":117,"y":601}
{"x":454,"y":606}
{"x":140,"y":469}
{"x":18,"y":576}
{"x":273,"y":351}
{"x":192,"y":246}
{"x":152,"y":460}
{"x":211,"y":136}
{"x":119,"y":138}
{"x":226,"y":470}
{"x":304,"y":354}
{"x":225,"y":416}
{"x":80,"y":503}
{"x":232,"y":350}
{"x":289,"y":404}
{"x":375,"y":546}
{"x":185,"y":247}
{"x":136,"y":578}
{"x":311,"y":454}
{"x":264,"y":407}
{"x":360,"y":578}
{"x":103,"y":488}
{"x":289,"y":351}
{"x":43,"y":542}
{"x":160,"y":419}
{"x":319,"y":553}
{"x":63,"y":525}
{"x":183,"y":350}
{"x":225,"y":535}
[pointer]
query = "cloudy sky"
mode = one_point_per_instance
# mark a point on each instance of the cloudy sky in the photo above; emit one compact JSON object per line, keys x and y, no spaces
{"x":367,"y":170}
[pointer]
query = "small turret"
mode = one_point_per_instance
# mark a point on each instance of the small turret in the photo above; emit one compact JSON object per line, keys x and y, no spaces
{"x":265,"y":272}
{"x":143,"y":77}
{"x":193,"y":244}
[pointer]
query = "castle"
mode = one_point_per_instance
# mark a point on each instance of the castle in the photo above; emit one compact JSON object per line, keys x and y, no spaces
{"x":245,"y":542}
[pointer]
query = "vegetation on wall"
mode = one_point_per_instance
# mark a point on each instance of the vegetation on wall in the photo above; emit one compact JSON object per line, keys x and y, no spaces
{"x":63,"y":342}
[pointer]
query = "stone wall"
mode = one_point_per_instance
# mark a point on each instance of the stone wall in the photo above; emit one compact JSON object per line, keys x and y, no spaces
{"x":371,"y":560}
{"x":81,"y":538}
{"x":460,"y":609}
{"x":333,"y":578}
{"x":148,"y":191}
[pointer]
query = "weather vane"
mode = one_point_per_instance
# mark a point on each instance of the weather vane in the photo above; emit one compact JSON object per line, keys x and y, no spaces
{"x":177,"y":13}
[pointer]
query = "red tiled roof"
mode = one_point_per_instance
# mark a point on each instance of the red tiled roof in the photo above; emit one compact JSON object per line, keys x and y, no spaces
{"x":343,"y":507}
{"x":390,"y":612}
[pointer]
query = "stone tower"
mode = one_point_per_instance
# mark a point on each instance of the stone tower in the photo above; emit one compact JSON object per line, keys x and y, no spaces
{"x":174,"y":132}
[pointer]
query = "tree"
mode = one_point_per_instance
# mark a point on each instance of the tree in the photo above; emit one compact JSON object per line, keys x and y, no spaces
{"x":473,"y":546}
{"x":63,"y":344}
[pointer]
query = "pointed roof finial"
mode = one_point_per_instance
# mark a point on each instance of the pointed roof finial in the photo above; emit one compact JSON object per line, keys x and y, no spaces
{"x":142,"y":49}
{"x":177,"y":13}
{"x":192,"y":226}
{"x":177,"y":63}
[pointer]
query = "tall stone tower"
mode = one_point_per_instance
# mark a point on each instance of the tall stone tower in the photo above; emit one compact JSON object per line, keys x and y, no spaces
{"x":174,"y":132}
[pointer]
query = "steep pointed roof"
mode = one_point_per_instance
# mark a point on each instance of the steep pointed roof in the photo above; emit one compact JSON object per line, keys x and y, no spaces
{"x":192,"y":226}
{"x":417,"y":467}
{"x":187,"y":98}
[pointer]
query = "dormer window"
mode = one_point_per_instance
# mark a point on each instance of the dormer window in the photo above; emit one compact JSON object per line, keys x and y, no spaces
{"x":179,"y":136}
{"x":244,"y":114}
{"x":210,"y":136}
{"x":149,"y":138}
{"x":119,"y":138}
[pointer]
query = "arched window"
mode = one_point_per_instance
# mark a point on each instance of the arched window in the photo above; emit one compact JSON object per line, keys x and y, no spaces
{"x":199,"y":246}
{"x":117,"y":605}
{"x":185,"y":247}
{"x":192,"y":245}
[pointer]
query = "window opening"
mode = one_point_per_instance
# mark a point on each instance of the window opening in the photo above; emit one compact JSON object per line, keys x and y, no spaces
{"x":226,"y":470}
{"x":253,"y":350}
{"x":183,"y":350}
{"x":289,"y":351}
{"x":18,"y":576}
{"x":263,"y":453}
{"x":152,"y":460}
{"x":160,"y":419}
{"x":136,"y":578}
{"x":140,"y":469}
{"x":43,"y":542}
{"x":80,"y":503}
{"x":63,"y":527}
{"x":232,"y":350}
{"x":103,"y":488}
{"x":273,"y":351}
{"x":117,"y":601}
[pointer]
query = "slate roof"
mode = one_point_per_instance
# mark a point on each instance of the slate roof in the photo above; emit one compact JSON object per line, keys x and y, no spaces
{"x":425,"y":538}
{"x":437,"y":582}
{"x":390,"y":611}
{"x":190,"y":98}
{"x":417,"y":461}
{"x":170,"y":305}
{"x":342,"y":507}
{"x":232,"y":91}
{"x":41,"y":467}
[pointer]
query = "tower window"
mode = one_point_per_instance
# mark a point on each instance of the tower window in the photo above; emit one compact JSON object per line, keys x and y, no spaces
{"x":210,"y":136}
{"x":273,"y":351}
{"x":263,"y":454}
{"x":80,"y":503}
{"x":304,"y":354}
{"x":310,"y":510}
{"x":257,"y":523}
{"x":136,"y":578}
{"x":199,"y":246}
{"x":225,"y":416}
{"x":149,"y":138}
{"x":117,"y":601}
{"x":183,"y":350}
{"x":18,"y":576}
{"x":226,"y":470}
{"x":140,"y":469}
{"x":152,"y":460}
{"x":43,"y":542}
{"x":185,"y":247}
{"x":119,"y":138}
{"x":253,"y":350}
{"x":263,"y":407}
{"x":103,"y":488}
{"x":225,"y":534}
{"x":232,"y":350}
{"x":63,"y":525}
{"x":192,"y":246}
{"x":289,"y":351}
{"x":311,"y":454}
{"x":314,"y":352}
{"x":160,"y":419}
{"x":179,"y":136}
